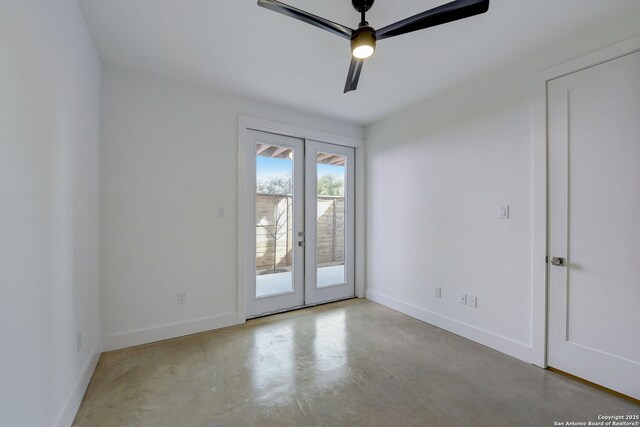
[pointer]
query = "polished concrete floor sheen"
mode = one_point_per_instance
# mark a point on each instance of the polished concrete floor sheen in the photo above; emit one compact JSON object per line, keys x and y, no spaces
{"x":353,"y":363}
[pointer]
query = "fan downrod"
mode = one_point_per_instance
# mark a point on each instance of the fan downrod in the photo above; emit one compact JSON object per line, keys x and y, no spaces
{"x":362,"y":5}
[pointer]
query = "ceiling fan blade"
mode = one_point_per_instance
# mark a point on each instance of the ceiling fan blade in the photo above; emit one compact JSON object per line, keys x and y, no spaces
{"x":453,"y":11}
{"x":354,"y":74}
{"x":303,"y":16}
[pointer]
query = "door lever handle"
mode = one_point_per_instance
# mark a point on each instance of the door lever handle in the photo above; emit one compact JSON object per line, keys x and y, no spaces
{"x":557,"y":261}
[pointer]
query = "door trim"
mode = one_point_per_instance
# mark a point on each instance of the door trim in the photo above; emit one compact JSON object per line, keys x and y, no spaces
{"x":244,"y":190}
{"x":539,"y":332}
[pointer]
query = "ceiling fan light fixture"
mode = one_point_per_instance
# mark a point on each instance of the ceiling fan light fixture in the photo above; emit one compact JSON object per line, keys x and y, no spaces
{"x":364,"y":51}
{"x":363,"y":42}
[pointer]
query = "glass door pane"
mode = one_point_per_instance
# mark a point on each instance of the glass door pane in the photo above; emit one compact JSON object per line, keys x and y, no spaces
{"x":330,"y":219}
{"x":274,"y":219}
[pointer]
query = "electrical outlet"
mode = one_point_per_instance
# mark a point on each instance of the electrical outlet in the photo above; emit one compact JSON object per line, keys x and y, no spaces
{"x":463,"y":299}
{"x":182,"y":297}
{"x":78,"y":341}
{"x":437,"y":292}
{"x":472,"y":301}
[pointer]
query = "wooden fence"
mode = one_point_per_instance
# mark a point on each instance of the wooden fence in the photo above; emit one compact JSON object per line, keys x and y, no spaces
{"x":274,"y":234}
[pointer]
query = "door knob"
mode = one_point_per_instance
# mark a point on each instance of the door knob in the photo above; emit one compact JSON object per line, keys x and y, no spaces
{"x":557,"y":261}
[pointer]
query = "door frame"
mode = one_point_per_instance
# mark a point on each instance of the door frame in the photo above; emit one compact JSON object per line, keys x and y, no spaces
{"x":540,"y":214}
{"x":245,"y":189}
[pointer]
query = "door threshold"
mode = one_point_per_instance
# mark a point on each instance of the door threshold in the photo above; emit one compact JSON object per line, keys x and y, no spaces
{"x":598,"y":386}
{"x":299,"y":307}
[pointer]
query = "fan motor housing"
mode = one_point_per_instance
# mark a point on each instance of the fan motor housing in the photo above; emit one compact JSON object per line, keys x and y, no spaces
{"x":362,"y":5}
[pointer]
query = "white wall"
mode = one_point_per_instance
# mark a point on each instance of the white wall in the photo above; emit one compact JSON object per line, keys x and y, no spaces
{"x":437,"y":174}
{"x":49,"y":147}
{"x":168,"y":160}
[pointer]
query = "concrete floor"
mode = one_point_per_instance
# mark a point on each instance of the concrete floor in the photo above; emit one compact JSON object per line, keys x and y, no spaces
{"x":352,"y":363}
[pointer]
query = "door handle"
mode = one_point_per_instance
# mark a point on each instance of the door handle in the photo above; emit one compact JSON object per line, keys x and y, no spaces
{"x":557,"y":261}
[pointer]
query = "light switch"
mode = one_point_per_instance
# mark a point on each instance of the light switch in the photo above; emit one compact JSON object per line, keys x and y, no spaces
{"x":503,"y":212}
{"x":221,"y":212}
{"x":182,"y":297}
{"x":437,"y":292}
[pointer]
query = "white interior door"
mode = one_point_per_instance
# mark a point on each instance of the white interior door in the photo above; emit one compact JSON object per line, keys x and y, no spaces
{"x":330,"y":231}
{"x":275,"y":278}
{"x":594,"y":224}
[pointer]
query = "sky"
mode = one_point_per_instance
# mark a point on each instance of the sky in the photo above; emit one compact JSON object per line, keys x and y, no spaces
{"x":267,"y":167}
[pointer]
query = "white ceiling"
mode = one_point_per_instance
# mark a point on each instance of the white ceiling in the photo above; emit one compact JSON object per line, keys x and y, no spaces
{"x":236,"y":47}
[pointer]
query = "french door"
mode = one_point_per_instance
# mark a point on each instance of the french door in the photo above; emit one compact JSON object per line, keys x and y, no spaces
{"x":303,"y":244}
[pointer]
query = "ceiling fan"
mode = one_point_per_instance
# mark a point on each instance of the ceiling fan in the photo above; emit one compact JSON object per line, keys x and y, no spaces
{"x":363,"y":40}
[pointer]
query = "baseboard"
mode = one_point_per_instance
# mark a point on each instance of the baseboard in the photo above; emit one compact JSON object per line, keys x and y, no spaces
{"x":502,"y":344}
{"x":73,"y":404}
{"x":164,"y":332}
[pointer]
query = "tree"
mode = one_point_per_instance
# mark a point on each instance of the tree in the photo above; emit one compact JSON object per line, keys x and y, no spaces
{"x":331,"y":185}
{"x":328,"y":185}
{"x":276,"y":225}
{"x":274,"y":185}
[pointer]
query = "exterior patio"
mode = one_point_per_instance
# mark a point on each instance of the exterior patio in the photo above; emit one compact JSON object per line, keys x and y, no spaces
{"x":277,"y":283}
